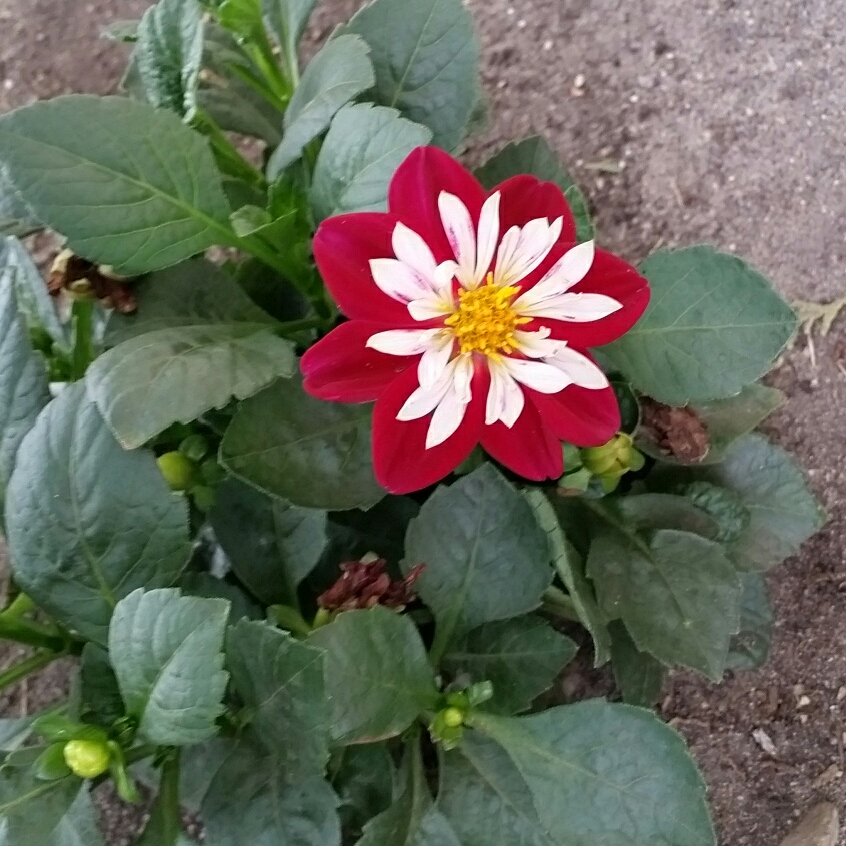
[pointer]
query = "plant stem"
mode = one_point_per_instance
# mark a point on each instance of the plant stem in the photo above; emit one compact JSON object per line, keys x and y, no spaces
{"x":139,"y":753}
{"x":32,"y":634}
{"x":21,"y":605}
{"x":560,"y":604}
{"x":169,"y":799}
{"x":227,"y":153}
{"x":83,"y":340}
{"x":24,"y":668}
{"x":291,"y":326}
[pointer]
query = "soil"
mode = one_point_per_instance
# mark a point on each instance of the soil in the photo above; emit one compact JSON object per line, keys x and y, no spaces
{"x":685,"y":121}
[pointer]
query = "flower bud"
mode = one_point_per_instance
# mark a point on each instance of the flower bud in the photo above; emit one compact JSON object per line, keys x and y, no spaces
{"x":178,"y":470}
{"x":613,"y":459}
{"x":453,"y":717}
{"x":87,"y":758}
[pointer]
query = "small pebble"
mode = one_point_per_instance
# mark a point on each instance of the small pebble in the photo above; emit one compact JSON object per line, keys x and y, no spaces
{"x":804,"y":702}
{"x":764,"y":741}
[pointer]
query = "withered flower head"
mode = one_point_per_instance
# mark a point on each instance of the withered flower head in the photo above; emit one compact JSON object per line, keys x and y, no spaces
{"x":365,"y":583}
{"x":82,"y":279}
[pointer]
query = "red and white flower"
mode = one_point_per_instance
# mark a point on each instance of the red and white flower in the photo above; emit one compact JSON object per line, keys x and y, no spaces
{"x":470,"y":313}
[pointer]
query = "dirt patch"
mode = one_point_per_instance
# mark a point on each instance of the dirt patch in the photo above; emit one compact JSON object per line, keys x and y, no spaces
{"x":686,"y":121}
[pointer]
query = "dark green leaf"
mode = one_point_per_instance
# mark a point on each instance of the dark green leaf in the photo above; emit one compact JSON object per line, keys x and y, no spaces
{"x":713,"y":325}
{"x":486,"y":559}
{"x":287,"y":20}
{"x":724,"y":506}
{"x":31,"y":809}
{"x":578,"y":775}
{"x":639,"y":676}
{"x":87,"y":521}
{"x":337,"y":74}
{"x":426,"y":58}
{"x":78,"y":827}
{"x":535,"y":157}
{"x":364,"y":146}
{"x":198,"y":766}
{"x":520,"y":657}
{"x":87,"y":165}
{"x":751,"y":645}
{"x":281,"y":682}
{"x":252,"y":801}
{"x":16,"y":218}
{"x":167,"y":652}
{"x":364,"y":782}
{"x":147,"y":383}
{"x":666,"y":511}
{"x":169,"y":53}
{"x":272,"y":546}
{"x":312,"y":453}
{"x":378,"y":676}
{"x":99,"y":689}
{"x":676,"y":592}
{"x":571,"y":571}
{"x":211,"y":587}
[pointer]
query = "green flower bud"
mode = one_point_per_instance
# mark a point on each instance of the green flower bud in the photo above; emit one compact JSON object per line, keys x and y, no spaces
{"x":203,"y":497}
{"x":613,"y":459}
{"x":178,"y":470}
{"x":87,"y":758}
{"x":195,"y":447}
{"x":452,"y":717}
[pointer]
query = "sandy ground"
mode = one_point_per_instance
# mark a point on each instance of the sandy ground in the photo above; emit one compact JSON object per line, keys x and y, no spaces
{"x":686,"y":121}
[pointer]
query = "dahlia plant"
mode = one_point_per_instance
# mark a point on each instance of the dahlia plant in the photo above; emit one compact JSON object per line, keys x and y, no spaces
{"x":322,"y":454}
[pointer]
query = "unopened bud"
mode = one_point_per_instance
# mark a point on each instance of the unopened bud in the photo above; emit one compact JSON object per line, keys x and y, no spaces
{"x":453,"y":717}
{"x":613,"y":459}
{"x":87,"y":758}
{"x":178,"y":470}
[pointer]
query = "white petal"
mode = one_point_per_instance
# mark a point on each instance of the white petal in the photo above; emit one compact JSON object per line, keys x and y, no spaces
{"x":576,"y":262}
{"x":421,"y":401}
{"x":507,"y":247}
{"x":412,"y":250}
{"x":429,"y":307}
{"x":537,"y":375}
{"x":451,"y":409}
{"x":488,"y":235}
{"x":537,"y":344}
{"x":403,"y":341}
{"x":536,"y":240}
{"x":580,"y":369}
{"x":505,"y":399}
{"x":398,"y":280}
{"x":442,"y":279}
{"x":460,"y":233}
{"x":577,"y":308}
{"x":435,"y":359}
{"x":568,"y":271}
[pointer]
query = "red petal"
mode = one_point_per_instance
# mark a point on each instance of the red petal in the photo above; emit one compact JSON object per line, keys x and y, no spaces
{"x":615,"y":278}
{"x":401,"y":460}
{"x":341,"y":368}
{"x":579,"y":416}
{"x":414,"y":190}
{"x":526,"y":198}
{"x":343,"y":247}
{"x":529,"y":448}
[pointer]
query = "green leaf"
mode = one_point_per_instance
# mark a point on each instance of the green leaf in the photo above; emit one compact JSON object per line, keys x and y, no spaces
{"x":272,"y":546}
{"x":378,"y":677}
{"x":725,"y":420}
{"x":287,"y":20}
{"x":535,"y":157}
{"x":206,"y":585}
{"x":312,"y":453}
{"x":713,"y":325}
{"x":98,"y":684}
{"x":751,"y":645}
{"x":31,"y":809}
{"x":252,"y":801}
{"x":79,"y":826}
{"x":280,"y":681}
{"x":24,"y":390}
{"x":486,"y":559}
{"x":88,"y":522}
{"x":639,"y":676}
{"x":364,"y":146}
{"x":147,"y":383}
{"x":337,"y":74}
{"x":426,"y":58}
{"x":127,"y":185}
{"x":520,"y":657}
{"x":676,"y":592}
{"x":666,"y":511}
{"x":16,"y":218}
{"x":571,"y":571}
{"x":364,"y":783}
{"x":578,"y":775}
{"x":722,"y":505}
{"x":167,"y":652}
{"x":169,"y":53}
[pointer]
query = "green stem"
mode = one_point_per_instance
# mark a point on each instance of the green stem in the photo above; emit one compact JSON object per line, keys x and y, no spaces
{"x":139,"y":753}
{"x":292,"y":326}
{"x":443,"y":635}
{"x":20,"y":606}
{"x":559,"y":604}
{"x":169,"y":800}
{"x":24,"y":668}
{"x":32,"y":634}
{"x":83,"y":338}
{"x":231,"y":160}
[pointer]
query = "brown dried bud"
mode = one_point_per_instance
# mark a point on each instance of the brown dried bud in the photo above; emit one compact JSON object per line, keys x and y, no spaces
{"x":81,"y":279}
{"x":365,"y":583}
{"x":679,"y":432}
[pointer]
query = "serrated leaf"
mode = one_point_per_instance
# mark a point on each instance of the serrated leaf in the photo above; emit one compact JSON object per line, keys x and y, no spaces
{"x":287,"y":20}
{"x":147,"y":383}
{"x":211,"y":587}
{"x":364,"y":146}
{"x":312,"y":453}
{"x":713,"y":325}
{"x":251,"y":800}
{"x":98,"y":685}
{"x":750,"y":647}
{"x":378,"y":677}
{"x":24,"y":389}
{"x":520,"y":657}
{"x":666,"y":511}
{"x":639,"y":676}
{"x":676,"y":592}
{"x":486,"y":559}
{"x":167,"y":653}
{"x":722,"y":505}
{"x":31,"y":809}
{"x":426,"y":58}
{"x":280,"y":681}
{"x":571,"y":571}
{"x":337,"y":74}
{"x":82,"y":163}
{"x":88,"y":522}
{"x":169,"y":53}
{"x":535,"y":157}
{"x":578,"y":775}
{"x":272,"y":546}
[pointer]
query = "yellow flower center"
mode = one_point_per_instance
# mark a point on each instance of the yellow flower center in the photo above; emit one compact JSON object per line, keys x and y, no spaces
{"x":484,"y":321}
